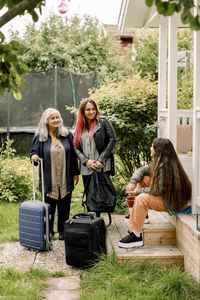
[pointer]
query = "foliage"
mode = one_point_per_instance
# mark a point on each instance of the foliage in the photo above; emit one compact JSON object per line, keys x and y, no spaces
{"x":146,"y":50}
{"x":23,"y":286}
{"x":185,"y":91}
{"x":131,"y":106}
{"x":184,"y":7}
{"x":19,"y":7}
{"x":12,"y":67}
{"x":79,"y":45}
{"x":142,"y":281}
{"x":15,"y":183}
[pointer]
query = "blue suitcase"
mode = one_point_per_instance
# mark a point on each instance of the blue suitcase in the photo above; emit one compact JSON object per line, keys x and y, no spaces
{"x":35,"y":221}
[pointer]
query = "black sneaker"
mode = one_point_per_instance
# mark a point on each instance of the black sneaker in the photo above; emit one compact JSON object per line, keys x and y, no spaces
{"x":127,"y":217}
{"x":131,"y":241}
{"x":146,"y":221}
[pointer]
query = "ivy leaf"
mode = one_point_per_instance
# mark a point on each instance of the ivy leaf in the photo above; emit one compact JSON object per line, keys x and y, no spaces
{"x":185,"y":17}
{"x":34,"y":16}
{"x":178,"y":7}
{"x":194,"y":23}
{"x":149,"y":2}
{"x":162,"y":7}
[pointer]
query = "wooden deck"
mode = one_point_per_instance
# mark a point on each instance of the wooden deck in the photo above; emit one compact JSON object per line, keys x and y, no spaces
{"x":159,"y":241}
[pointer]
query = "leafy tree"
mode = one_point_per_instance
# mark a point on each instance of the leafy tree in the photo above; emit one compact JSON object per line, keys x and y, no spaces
{"x":79,"y":45}
{"x":168,"y":8}
{"x":11,"y":66}
{"x":146,"y":50}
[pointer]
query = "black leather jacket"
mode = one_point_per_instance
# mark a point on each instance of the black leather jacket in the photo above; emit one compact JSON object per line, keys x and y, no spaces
{"x":105,"y":141}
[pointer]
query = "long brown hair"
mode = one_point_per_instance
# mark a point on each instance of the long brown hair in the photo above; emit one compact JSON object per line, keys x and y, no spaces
{"x":81,"y":122}
{"x":176,"y":184}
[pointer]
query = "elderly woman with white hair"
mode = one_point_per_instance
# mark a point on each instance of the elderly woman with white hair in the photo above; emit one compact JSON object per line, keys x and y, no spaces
{"x":54,"y":143}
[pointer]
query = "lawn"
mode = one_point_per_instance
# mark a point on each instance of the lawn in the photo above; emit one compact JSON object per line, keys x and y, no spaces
{"x":106,"y":280}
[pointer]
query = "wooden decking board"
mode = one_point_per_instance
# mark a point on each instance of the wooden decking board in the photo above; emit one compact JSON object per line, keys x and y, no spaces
{"x":114,"y":236}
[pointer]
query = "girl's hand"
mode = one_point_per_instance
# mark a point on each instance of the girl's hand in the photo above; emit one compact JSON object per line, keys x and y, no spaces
{"x":130,"y":187}
{"x":134,"y":192}
{"x":76,"y":179}
{"x":91,"y":164}
{"x":99,"y":164}
{"x":34,"y":157}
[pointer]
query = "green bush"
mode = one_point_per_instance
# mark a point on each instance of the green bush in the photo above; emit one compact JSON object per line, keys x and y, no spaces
{"x":131,"y":107}
{"x":15,"y":183}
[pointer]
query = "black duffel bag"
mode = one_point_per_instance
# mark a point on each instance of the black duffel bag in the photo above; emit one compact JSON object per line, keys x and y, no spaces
{"x":101,"y":195}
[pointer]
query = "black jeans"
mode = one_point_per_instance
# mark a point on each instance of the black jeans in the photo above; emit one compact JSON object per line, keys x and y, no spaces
{"x":63,"y":208}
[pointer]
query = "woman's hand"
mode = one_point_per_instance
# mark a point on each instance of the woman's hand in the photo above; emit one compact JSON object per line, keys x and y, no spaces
{"x":98,"y":164}
{"x":35,"y":157}
{"x":76,"y":179}
{"x":91,"y":164}
{"x":130,"y":188}
{"x":134,"y":192}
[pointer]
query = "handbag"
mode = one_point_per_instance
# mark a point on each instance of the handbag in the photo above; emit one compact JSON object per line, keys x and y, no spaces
{"x":101,"y":194}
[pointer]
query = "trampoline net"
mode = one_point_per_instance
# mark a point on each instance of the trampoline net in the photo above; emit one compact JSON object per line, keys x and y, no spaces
{"x":51,"y":88}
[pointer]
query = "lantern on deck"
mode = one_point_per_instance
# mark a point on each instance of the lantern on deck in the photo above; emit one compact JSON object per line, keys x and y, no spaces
{"x":62,"y":7}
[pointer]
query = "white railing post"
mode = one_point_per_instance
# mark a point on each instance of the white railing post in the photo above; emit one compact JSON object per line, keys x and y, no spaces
{"x":162,"y":62}
{"x":172,"y":78}
{"x":196,"y":124}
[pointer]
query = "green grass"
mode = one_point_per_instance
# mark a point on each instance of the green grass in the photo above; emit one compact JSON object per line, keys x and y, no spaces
{"x":109,"y":280}
{"x":9,"y":221}
{"x":22,"y":286}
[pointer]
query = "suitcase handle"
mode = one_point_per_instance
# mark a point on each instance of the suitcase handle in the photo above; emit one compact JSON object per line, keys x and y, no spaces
{"x":89,"y":215}
{"x":42,"y":177}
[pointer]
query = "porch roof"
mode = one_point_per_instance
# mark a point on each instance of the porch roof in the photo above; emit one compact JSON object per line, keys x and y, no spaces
{"x":136,"y":14}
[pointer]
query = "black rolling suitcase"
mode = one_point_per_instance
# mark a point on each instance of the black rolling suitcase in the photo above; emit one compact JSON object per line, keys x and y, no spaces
{"x":35,"y":221}
{"x":85,"y":239}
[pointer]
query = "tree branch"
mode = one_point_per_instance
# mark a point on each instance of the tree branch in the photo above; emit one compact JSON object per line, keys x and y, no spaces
{"x":18,"y":10}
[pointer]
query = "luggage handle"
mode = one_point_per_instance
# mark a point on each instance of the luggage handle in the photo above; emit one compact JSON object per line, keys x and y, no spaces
{"x":89,"y":215}
{"x":42,"y":177}
{"x":48,"y":243}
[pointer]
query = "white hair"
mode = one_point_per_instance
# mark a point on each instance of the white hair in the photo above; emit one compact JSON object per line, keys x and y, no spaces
{"x":42,"y":128}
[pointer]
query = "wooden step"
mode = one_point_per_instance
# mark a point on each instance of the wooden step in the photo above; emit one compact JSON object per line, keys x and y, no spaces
{"x":161,"y":255}
{"x":159,"y":241}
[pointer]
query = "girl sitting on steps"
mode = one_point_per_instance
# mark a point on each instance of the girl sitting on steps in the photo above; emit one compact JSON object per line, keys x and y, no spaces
{"x":162,"y":185}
